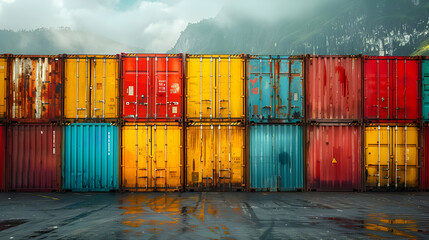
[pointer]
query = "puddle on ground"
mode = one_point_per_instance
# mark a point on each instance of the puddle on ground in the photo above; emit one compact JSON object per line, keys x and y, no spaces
{"x":5,"y":224}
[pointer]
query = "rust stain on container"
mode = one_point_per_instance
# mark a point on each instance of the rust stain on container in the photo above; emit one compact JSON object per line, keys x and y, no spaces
{"x":35,"y":88}
{"x":33,"y":157}
{"x":333,"y":88}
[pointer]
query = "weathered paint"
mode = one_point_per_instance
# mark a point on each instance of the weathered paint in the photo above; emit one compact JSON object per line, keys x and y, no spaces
{"x":3,"y":85}
{"x":215,"y":157}
{"x":334,"y":158}
{"x":35,"y":89}
{"x":33,"y":157}
{"x":425,"y":89}
{"x":90,"y":161}
{"x":276,"y":157}
{"x":392,"y":89}
{"x":391,"y":157}
{"x":215,"y":87}
{"x":333,"y":88}
{"x":2,"y":158}
{"x":91,"y":86}
{"x":275,"y":88}
{"x":151,"y":157}
{"x":424,"y":166}
{"x":152,"y":87}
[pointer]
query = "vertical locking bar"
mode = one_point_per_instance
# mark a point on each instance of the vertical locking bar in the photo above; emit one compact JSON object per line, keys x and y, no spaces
{"x":86,"y":89}
{"x":147,"y":86}
{"x":388,"y":156}
{"x":201,"y":86}
{"x":229,"y":87}
{"x":378,"y":89}
{"x":219,"y":155}
{"x":104,"y":85}
{"x":213,"y":150}
{"x":211,"y":88}
{"x":137,"y":156}
{"x":379,"y":153}
{"x":218,"y":88}
{"x":396,"y":156}
{"x":405,"y":93}
{"x":396,"y":89}
{"x":405,"y":160}
{"x":229,"y":157}
{"x":154,"y":156}
{"x":165,"y":156}
{"x":77,"y":88}
{"x":147,"y":158}
{"x":156,"y":85}
{"x":201,"y":156}
{"x":166,"y":89}
{"x":388,"y":88}
{"x":93,"y":84}
{"x":137,"y":86}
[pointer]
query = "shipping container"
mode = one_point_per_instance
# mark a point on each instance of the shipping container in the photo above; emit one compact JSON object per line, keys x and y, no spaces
{"x":276,"y":157}
{"x":391,"y":157}
{"x":151,"y":157}
{"x":3,"y":85}
{"x":215,"y":87}
{"x":424,"y":161}
{"x":425,"y":88}
{"x":215,"y":157}
{"x":33,"y":157}
{"x":90,"y":161}
{"x":2,"y":157}
{"x":152,"y":87}
{"x":392,"y":89}
{"x":91,"y":87}
{"x":35,"y":89}
{"x":333,"y":88}
{"x":275,"y":88}
{"x":334,"y":158}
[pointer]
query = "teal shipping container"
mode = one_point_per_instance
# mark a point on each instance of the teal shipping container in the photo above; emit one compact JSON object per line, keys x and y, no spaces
{"x":274,"y":89}
{"x":276,"y":157}
{"x":90,"y":161}
{"x":425,"y":89}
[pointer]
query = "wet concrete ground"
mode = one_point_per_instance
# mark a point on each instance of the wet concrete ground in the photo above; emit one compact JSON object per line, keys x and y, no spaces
{"x":305,"y":215}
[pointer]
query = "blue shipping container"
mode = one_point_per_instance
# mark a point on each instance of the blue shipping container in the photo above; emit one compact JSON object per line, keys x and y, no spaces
{"x":275,"y":89}
{"x":276,"y":157}
{"x":90,"y":161}
{"x":425,"y":89}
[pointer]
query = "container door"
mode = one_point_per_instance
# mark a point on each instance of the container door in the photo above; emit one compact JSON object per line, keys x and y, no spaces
{"x":378,"y":90}
{"x":378,"y":157}
{"x":77,"y":83}
{"x":230,"y":77}
{"x":282,"y":94}
{"x":136,"y":94}
{"x":405,"y":163}
{"x":104,"y":87}
{"x":260,"y":88}
{"x":3,"y":86}
{"x":425,"y":89}
{"x":296,"y":97}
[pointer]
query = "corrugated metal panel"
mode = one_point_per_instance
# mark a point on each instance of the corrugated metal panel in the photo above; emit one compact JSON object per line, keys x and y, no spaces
{"x":3,"y":85}
{"x":392,"y":88}
{"x":425,"y":89}
{"x":90,"y":157}
{"x":91,"y":86}
{"x":152,"y":87}
{"x":274,"y":88}
{"x":2,"y":152}
{"x":215,"y":87}
{"x":215,"y":157}
{"x":391,"y":157}
{"x":334,"y":158}
{"x":33,"y":157}
{"x":424,"y":168}
{"x":333,"y":88}
{"x":35,"y":89}
{"x":151,"y":157}
{"x":276,"y":157}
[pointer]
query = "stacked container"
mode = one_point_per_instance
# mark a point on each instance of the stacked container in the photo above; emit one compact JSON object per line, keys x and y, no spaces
{"x":215,"y":123}
{"x":152,"y":130}
{"x":275,"y":113}
{"x":91,"y":113}
{"x":392,"y":115}
{"x":34,"y":134}
{"x":424,"y":160}
{"x":334,"y":116}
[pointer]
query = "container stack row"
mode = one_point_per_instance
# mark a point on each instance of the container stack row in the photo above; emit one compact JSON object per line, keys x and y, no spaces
{"x":173,"y":122}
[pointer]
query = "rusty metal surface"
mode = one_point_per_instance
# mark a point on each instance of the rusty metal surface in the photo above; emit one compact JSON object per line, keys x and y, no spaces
{"x":333,"y":88}
{"x":35,"y":88}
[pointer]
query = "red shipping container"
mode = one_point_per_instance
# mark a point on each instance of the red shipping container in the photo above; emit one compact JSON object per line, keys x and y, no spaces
{"x":334,"y":158}
{"x":424,"y":166}
{"x":35,"y":88}
{"x":33,"y":157}
{"x":152,"y":87}
{"x":333,"y":88}
{"x":392,"y":89}
{"x":2,"y":147}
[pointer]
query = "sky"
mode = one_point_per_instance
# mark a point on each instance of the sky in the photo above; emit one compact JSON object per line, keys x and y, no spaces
{"x":147,"y":24}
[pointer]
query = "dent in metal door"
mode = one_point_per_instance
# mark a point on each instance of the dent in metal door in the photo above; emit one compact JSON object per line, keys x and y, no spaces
{"x":3,"y":85}
{"x":91,"y":86}
{"x":391,"y":157}
{"x":151,"y":157}
{"x":215,"y":157}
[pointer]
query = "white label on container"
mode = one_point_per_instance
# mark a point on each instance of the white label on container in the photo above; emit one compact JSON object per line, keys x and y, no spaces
{"x":295,"y":96}
{"x":131,"y":91}
{"x":174,"y":109}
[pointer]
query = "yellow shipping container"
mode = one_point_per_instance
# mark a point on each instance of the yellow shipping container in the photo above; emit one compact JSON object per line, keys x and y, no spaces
{"x":3,"y":85}
{"x":151,"y":157}
{"x":215,"y":87}
{"x":91,"y":86}
{"x":215,"y":157}
{"x":391,"y":156}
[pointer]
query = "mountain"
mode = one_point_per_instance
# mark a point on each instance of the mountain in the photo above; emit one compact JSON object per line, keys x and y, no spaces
{"x":372,"y":27}
{"x":57,"y":41}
